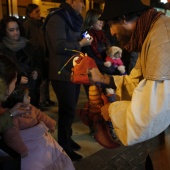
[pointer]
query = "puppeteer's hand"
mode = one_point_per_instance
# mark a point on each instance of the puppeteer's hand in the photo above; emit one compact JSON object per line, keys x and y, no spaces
{"x":95,"y":75}
{"x":104,"y":112}
{"x":19,"y":109}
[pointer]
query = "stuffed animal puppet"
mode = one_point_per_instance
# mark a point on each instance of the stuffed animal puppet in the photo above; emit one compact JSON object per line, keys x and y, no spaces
{"x":114,"y":55}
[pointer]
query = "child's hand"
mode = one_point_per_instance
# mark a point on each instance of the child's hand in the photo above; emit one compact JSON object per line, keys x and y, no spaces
{"x":52,"y":130}
{"x":19,"y":109}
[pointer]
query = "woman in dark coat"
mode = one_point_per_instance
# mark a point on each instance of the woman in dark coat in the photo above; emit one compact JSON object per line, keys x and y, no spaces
{"x":20,"y":51}
{"x":63,"y":31}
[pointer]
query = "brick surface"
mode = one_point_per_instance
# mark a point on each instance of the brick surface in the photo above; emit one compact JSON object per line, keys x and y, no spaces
{"x":122,"y":158}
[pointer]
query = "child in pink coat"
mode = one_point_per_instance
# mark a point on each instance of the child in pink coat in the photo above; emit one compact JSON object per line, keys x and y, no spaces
{"x":30,"y":137}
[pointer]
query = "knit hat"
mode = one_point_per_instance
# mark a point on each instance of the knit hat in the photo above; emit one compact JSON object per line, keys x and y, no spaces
{"x":117,"y":8}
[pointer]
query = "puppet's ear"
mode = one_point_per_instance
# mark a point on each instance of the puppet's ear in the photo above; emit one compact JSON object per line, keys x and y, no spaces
{"x":116,"y":49}
{"x":3,"y":89}
{"x":120,"y":50}
{"x":108,"y":52}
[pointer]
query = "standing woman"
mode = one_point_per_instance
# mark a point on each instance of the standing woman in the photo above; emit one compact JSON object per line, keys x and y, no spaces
{"x":15,"y":46}
{"x":100,"y":44}
{"x":63,"y":31}
{"x":8,"y":77}
{"x":35,"y":34}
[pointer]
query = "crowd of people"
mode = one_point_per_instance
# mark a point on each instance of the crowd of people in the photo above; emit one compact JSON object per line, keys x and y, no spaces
{"x":34,"y":53}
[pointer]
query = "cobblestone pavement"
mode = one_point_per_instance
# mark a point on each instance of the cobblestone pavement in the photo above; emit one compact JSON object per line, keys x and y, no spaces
{"x":122,"y":158}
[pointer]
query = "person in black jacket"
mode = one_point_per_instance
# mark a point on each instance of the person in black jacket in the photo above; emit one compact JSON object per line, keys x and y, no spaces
{"x":34,"y":33}
{"x":63,"y":31}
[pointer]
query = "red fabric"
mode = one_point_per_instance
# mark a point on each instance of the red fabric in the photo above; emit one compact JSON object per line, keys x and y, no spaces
{"x":98,"y":36}
{"x":102,"y":134}
{"x":80,"y":71}
{"x":91,"y":116}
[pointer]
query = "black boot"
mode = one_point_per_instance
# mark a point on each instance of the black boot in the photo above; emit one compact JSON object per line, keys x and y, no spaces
{"x":73,"y":155}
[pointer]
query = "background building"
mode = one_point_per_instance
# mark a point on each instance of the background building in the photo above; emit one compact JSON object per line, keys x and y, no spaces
{"x":18,"y":7}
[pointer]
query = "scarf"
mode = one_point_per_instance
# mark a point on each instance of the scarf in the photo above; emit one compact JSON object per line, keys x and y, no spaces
{"x":14,"y":46}
{"x":143,"y":25}
{"x":98,"y":37}
{"x":74,"y":20}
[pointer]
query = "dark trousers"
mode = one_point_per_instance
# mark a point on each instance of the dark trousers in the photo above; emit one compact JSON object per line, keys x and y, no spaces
{"x":67,"y":95}
{"x":148,"y":163}
{"x":44,"y":91}
{"x":34,"y":91}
